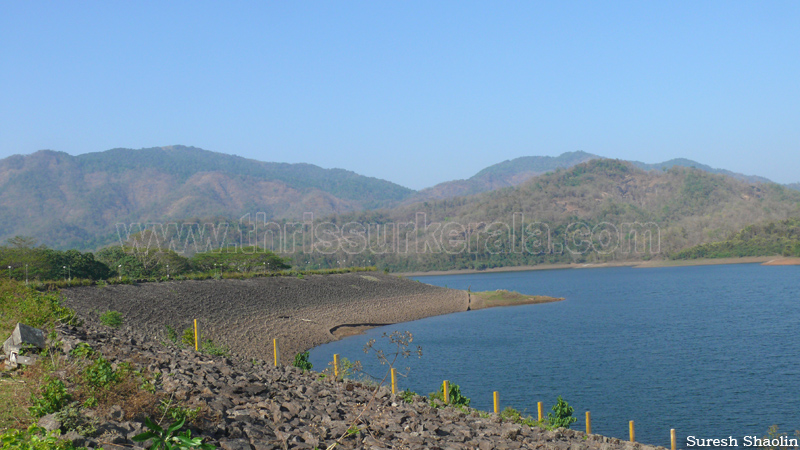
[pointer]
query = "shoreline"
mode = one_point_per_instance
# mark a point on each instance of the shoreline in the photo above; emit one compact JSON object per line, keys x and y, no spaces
{"x":763,"y":260}
{"x":246,"y":315}
{"x":479,"y":300}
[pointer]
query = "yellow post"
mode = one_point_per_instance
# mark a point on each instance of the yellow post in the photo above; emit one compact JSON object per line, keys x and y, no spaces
{"x":276,"y":352}
{"x":336,"y":366}
{"x":446,"y":389}
{"x":672,"y":439}
{"x":541,"y":415}
{"x":195,"y":336}
{"x":633,"y":431}
{"x":496,"y":402}
{"x":588,"y":422}
{"x":394,"y":381}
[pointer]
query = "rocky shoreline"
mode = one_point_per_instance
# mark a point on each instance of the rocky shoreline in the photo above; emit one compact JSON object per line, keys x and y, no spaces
{"x":246,"y":315}
{"x":250,"y":405}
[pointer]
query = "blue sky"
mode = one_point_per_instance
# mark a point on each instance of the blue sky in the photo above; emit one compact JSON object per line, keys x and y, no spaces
{"x":412,"y":92}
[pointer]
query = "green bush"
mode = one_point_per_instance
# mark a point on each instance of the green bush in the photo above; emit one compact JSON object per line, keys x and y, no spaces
{"x":34,"y":438}
{"x":53,"y":397}
{"x":73,"y":419}
{"x":456,"y":398}
{"x":208,"y":346}
{"x":82,"y":350}
{"x":172,"y":335}
{"x":347,"y":369}
{"x":301,"y":361}
{"x":111,"y":319}
{"x":100,"y":374}
{"x":561,"y":415}
{"x":512,"y":415}
{"x":187,"y":338}
{"x":169,"y":439}
{"x":408,"y":395}
{"x":178,"y":412}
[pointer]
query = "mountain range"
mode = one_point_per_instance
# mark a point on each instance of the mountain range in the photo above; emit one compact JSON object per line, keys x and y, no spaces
{"x":69,"y":201}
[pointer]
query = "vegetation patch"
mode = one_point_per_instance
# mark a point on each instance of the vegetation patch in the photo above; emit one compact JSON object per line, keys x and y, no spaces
{"x":111,"y":319}
{"x":301,"y":361}
{"x":502,"y":297}
{"x":766,"y":239}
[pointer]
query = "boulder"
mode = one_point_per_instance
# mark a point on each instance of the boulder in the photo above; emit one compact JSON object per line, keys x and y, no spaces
{"x":9,"y":347}
{"x":49,"y":422}
{"x":27,"y":360}
{"x":24,"y":335}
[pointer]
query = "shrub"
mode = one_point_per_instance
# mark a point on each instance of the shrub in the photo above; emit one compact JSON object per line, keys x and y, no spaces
{"x":178,"y":412}
{"x":187,"y":338}
{"x":301,"y":361}
{"x":169,"y":439}
{"x":512,"y":415}
{"x":347,"y":368}
{"x":82,"y":350}
{"x":100,"y":374}
{"x":561,"y":415}
{"x":53,"y":397}
{"x":111,"y":319}
{"x":455,"y":397}
{"x":73,"y":419}
{"x":208,"y":346}
{"x":34,"y":438}
{"x":172,"y":335}
{"x":408,"y":395}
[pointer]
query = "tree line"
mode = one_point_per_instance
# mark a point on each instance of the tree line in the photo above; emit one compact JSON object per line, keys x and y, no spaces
{"x":21,"y":259}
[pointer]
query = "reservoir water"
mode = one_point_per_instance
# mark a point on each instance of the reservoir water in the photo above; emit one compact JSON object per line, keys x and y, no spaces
{"x":712,"y":351}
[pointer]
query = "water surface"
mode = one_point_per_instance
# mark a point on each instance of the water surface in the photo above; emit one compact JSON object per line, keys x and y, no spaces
{"x":711,"y":351}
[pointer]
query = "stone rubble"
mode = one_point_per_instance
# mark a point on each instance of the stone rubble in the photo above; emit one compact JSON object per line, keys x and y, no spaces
{"x":249,"y":406}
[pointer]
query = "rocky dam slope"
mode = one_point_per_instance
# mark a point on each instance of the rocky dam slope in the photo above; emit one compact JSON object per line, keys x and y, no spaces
{"x":247,"y":405}
{"x":246,"y":315}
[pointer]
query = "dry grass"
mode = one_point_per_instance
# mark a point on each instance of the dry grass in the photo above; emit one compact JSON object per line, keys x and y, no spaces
{"x":15,"y":394}
{"x":502,"y":297}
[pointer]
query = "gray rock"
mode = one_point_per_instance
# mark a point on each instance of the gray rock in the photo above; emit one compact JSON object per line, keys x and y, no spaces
{"x":9,"y":347}
{"x":116,"y":412}
{"x":235,"y":444}
{"x":75,"y":438}
{"x":49,"y":422}
{"x":25,"y":335}
{"x":27,"y":360}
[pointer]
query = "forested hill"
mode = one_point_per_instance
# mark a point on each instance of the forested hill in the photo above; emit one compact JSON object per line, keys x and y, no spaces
{"x":763,"y":239}
{"x":519,"y":170}
{"x":505,"y":174}
{"x":683,"y":162}
{"x":74,"y":201}
{"x":685,"y":206}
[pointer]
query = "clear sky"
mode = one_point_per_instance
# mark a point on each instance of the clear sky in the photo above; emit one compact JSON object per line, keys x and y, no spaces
{"x":415,"y":92}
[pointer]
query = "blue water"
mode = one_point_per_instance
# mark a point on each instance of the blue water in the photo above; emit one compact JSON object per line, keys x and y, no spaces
{"x":711,"y":351}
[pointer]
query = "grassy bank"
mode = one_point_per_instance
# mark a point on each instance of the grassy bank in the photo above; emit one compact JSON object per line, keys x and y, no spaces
{"x":502,"y":297}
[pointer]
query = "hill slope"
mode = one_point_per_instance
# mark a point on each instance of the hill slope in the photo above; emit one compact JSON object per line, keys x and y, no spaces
{"x":519,"y":170}
{"x":74,"y":201}
{"x":683,"y":206}
{"x":683,"y":162}
{"x":505,"y":174}
{"x":763,"y":239}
